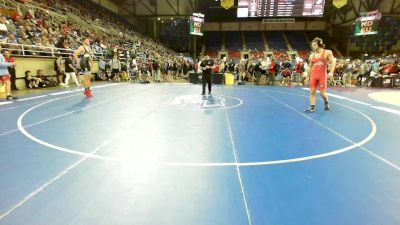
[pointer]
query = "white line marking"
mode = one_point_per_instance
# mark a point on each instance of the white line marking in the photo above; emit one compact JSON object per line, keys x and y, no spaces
{"x":25,"y":99}
{"x":359,"y":102}
{"x":237,"y":167}
{"x":336,"y":96}
{"x":5,"y":103}
{"x":387,"y":109}
{"x":102,"y":86}
{"x":54,"y":179}
{"x":223,"y":164}
{"x":329,"y":94}
{"x":28,"y":135}
{"x":381,"y":158}
{"x":223,"y":97}
{"x":342,"y":136}
{"x":55,"y":147}
{"x":292,"y":160}
{"x":363,"y":103}
{"x":60,"y":93}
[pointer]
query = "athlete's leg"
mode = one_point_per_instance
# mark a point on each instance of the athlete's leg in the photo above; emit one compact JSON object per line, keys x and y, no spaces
{"x":86,"y":83}
{"x":313,"y":89}
{"x":322,"y":91}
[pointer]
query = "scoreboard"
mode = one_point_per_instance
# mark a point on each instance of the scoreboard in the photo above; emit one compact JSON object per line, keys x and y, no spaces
{"x":367,"y":23}
{"x":197,"y":24}
{"x":280,"y":8}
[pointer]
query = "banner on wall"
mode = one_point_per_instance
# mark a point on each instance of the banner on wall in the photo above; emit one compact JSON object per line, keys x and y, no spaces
{"x":226,"y":4}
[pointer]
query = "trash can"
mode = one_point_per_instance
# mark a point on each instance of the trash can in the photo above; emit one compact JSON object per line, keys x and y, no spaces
{"x":229,"y":79}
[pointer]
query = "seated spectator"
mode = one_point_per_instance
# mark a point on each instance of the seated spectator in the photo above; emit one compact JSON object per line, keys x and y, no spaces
{"x":12,"y":41}
{"x":46,"y":82}
{"x":32,"y":82}
{"x":11,"y":26}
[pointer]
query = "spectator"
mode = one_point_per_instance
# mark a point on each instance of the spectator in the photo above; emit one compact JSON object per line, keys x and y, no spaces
{"x":5,"y":77}
{"x":59,"y":67}
{"x":32,"y":82}
{"x":46,"y":82}
{"x":115,"y":65}
{"x":11,"y":69}
{"x":70,"y":70}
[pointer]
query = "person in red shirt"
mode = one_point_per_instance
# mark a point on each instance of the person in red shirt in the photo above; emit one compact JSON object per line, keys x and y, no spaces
{"x":11,"y":69}
{"x":272,"y":72}
{"x":318,"y":72}
{"x":5,"y":77}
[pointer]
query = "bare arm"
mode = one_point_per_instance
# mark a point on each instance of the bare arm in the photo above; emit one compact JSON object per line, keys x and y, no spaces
{"x":76,"y":54}
{"x":309,"y":66}
{"x":332,"y":62}
{"x":72,"y":67}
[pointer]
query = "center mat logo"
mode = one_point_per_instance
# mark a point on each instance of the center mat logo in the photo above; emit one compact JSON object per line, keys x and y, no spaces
{"x":195,"y":101}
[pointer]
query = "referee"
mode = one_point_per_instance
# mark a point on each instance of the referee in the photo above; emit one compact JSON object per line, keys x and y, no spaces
{"x":207,"y":67}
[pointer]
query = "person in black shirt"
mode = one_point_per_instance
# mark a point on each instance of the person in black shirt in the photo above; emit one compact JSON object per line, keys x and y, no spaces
{"x":207,"y":67}
{"x":70,"y":71}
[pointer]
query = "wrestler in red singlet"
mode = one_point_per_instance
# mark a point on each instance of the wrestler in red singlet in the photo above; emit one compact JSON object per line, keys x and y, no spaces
{"x":319,"y":77}
{"x":317,"y":72}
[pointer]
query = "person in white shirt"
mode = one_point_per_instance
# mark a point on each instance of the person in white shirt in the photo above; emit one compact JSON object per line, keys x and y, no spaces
{"x":115,"y":65}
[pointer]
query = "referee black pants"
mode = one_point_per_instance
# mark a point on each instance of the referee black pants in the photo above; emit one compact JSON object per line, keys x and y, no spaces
{"x":13,"y":77}
{"x":206,"y":78}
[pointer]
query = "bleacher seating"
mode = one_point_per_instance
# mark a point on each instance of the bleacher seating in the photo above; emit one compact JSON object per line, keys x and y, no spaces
{"x":275,"y":40}
{"x":254,"y":40}
{"x":233,"y":40}
{"x":257,"y":54}
{"x":234,"y":54}
{"x":280,"y":54}
{"x":297,"y":40}
{"x":212,"y":53}
{"x":322,"y":34}
{"x":304,"y":54}
{"x":213,"y":40}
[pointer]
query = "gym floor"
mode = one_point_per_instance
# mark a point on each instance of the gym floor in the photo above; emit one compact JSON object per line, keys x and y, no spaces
{"x":152,"y":154}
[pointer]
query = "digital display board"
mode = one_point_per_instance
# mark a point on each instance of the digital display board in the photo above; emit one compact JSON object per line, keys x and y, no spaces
{"x":280,"y":8}
{"x":367,"y":23}
{"x":197,"y":24}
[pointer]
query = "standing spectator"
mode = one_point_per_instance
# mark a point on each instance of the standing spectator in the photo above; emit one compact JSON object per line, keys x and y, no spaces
{"x":59,"y":67}
{"x":115,"y":65}
{"x":272,"y":70}
{"x":101,"y":74}
{"x":260,"y":78}
{"x":157,"y":70}
{"x":5,"y":77}
{"x":348,"y":73}
{"x":11,"y":69}
{"x":185,"y":69}
{"x":70,"y":70}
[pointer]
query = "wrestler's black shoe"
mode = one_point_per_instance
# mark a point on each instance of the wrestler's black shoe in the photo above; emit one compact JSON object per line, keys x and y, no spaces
{"x":9,"y":97}
{"x":311,"y":109}
{"x":326,"y":108}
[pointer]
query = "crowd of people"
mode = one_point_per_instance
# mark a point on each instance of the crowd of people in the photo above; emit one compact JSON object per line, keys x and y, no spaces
{"x":128,"y":55}
{"x":349,"y":72}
